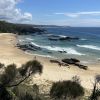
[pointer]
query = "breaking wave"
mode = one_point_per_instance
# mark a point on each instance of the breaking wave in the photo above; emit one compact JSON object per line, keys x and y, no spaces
{"x":69,"y":50}
{"x":30,"y":39}
{"x":89,"y":47}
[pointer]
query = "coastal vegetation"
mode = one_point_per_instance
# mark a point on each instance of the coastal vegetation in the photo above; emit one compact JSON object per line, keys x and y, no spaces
{"x":6,"y":27}
{"x":95,"y":95}
{"x":66,"y":90}
{"x":14,"y":85}
{"x":12,"y":77}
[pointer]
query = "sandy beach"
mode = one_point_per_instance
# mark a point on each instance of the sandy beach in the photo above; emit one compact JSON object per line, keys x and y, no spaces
{"x":9,"y":53}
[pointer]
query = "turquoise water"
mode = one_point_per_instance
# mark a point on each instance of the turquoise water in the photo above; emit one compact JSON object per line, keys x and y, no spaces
{"x":87,"y":48}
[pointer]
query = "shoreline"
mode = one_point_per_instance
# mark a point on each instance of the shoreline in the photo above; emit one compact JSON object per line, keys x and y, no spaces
{"x":9,"y":53}
{"x":34,"y":47}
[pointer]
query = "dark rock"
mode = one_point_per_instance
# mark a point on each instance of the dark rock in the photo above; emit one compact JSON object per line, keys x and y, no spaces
{"x":82,"y":66}
{"x":28,"y":47}
{"x":68,"y":38}
{"x":70,"y":61}
{"x":53,"y":39}
{"x":62,"y":51}
{"x":75,"y":62}
{"x":49,"y":52}
{"x":59,"y":63}
{"x":57,"y":37}
{"x":64,"y":64}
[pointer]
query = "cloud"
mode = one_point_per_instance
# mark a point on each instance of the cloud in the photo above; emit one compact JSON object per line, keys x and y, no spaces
{"x":78,"y":14}
{"x":9,"y":12}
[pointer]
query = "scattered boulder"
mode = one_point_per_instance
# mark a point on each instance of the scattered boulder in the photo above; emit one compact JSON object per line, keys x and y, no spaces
{"x":30,"y":47}
{"x":53,"y":39}
{"x":75,"y":62}
{"x":62,"y":51}
{"x":61,"y":38}
{"x":64,"y":64}
{"x":59,"y":63}
{"x":82,"y":66}
{"x":70,"y":61}
{"x":68,"y":38}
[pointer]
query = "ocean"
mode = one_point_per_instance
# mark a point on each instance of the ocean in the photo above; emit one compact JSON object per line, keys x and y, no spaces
{"x":86,"y":48}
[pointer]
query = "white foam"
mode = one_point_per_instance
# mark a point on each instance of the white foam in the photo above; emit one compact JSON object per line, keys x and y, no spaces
{"x":73,"y":51}
{"x":89,"y":47}
{"x":21,"y":40}
{"x":35,"y":44}
{"x":68,"y":50}
{"x":83,"y":39}
{"x":30,"y":39}
{"x":63,"y":36}
{"x":55,"y":48}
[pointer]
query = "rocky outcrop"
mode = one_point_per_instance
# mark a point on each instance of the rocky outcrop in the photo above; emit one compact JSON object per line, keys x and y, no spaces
{"x":75,"y":62}
{"x":82,"y":66}
{"x":59,"y":63}
{"x":26,"y":47}
{"x":56,"y":38}
{"x":62,"y":51}
{"x":70,"y":61}
{"x":68,"y":38}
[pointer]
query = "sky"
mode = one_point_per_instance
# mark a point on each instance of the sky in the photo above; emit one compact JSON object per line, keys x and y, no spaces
{"x":76,"y":13}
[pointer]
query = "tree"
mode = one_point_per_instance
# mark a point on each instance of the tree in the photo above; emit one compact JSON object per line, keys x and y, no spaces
{"x":6,"y":27}
{"x":96,"y":89}
{"x":13,"y":76}
{"x":66,"y":89}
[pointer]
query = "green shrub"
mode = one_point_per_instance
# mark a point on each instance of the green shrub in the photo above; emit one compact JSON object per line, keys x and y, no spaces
{"x":24,"y":91}
{"x":4,"y":94}
{"x":33,"y":66}
{"x":66,"y":89}
{"x":9,"y":75}
{"x":27,"y":96}
{"x":11,"y":79}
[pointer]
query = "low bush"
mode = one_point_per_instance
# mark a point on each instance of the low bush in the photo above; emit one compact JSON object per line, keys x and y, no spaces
{"x":66,"y":89}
